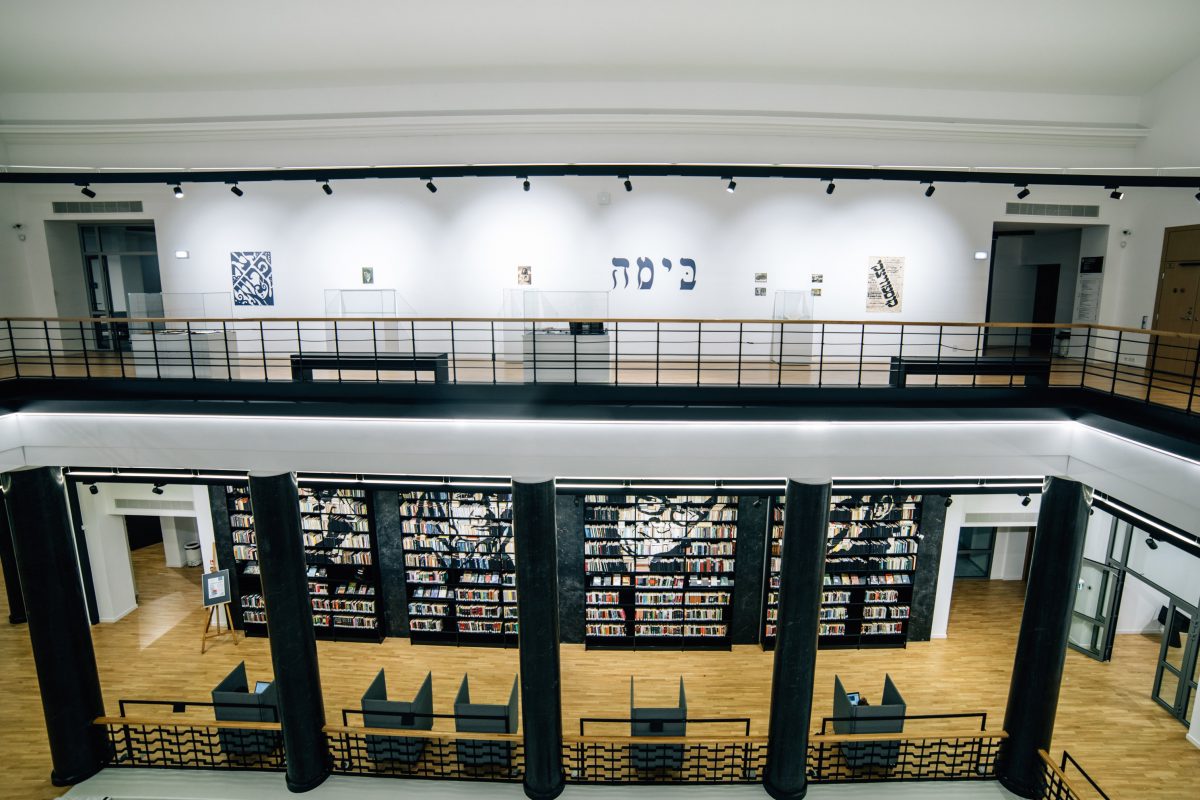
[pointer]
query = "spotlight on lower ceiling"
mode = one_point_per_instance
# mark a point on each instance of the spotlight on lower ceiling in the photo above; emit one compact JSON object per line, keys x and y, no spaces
{"x":87,"y":191}
{"x":157,"y":488}
{"x":949,"y":502}
{"x":178,"y":190}
{"x":731,"y":187}
{"x":1021,"y":195}
{"x":1153,"y":545}
{"x":831,"y":188}
{"x":1026,"y":500}
{"x":237,"y":190}
{"x":628,"y":183}
{"x":929,"y":191}
{"x":525,"y":184}
{"x":1116,"y":193}
{"x":93,"y":488}
{"x":430,"y":185}
{"x":1198,"y":197}
{"x":326,"y":188}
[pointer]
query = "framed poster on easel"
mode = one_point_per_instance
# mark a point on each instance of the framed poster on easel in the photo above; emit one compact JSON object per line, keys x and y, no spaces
{"x":215,"y":588}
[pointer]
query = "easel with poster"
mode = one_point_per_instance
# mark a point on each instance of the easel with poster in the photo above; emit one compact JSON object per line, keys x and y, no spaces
{"x":216,"y":591}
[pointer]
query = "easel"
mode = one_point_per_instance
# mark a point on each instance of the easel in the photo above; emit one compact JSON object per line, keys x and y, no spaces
{"x":214,"y":614}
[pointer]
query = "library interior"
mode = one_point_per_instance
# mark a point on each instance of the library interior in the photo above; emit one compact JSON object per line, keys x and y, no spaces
{"x":749,"y":414}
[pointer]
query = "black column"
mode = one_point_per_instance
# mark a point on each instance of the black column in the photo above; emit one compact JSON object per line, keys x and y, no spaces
{"x":1042,"y":642}
{"x":569,"y":524}
{"x":749,"y":569}
{"x":8,"y":562}
{"x":44,"y":546}
{"x":389,"y":539}
{"x":275,"y":503}
{"x":801,"y":571}
{"x":932,"y":528}
{"x":537,"y":605}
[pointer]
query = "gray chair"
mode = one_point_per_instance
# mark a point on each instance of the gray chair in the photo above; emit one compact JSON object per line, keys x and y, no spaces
{"x":657,"y":722}
{"x":234,"y":702}
{"x":496,"y":718}
{"x":379,"y":712}
{"x":866,"y":719}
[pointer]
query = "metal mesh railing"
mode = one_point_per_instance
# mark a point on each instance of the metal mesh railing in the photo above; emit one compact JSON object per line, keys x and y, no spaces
{"x":1150,"y":366}
{"x":903,"y":757}
{"x":396,"y":753}
{"x":653,"y":759}
{"x":1057,"y":785}
{"x":193,"y":745}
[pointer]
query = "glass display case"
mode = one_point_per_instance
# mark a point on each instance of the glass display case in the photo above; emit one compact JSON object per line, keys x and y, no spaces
{"x":792,"y":344}
{"x":564,"y":338}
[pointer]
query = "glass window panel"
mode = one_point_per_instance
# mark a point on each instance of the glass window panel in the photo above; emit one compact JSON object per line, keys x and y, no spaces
{"x":91,"y":239}
{"x":1168,"y":688}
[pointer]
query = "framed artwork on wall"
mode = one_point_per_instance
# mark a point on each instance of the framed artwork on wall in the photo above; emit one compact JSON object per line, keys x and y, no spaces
{"x":253,"y":280}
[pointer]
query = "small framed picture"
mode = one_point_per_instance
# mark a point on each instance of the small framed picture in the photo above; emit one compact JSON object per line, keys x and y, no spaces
{"x":368,"y":274}
{"x":816,"y":292}
{"x":216,"y":587}
{"x":760,"y":291}
{"x":760,"y":277}
{"x":524,"y":276}
{"x":818,"y":277}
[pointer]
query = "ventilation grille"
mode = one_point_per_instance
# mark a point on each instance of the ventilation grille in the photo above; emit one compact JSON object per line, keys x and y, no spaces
{"x":155,"y":505}
{"x":1051,"y":210}
{"x":110,"y":207}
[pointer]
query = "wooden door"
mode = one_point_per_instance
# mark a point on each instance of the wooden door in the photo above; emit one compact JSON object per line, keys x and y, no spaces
{"x":1178,"y":304}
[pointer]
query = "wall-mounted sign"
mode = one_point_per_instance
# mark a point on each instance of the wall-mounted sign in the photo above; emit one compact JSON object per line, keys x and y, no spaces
{"x":524,"y":276}
{"x":760,"y":291}
{"x":885,"y":284}
{"x":368,"y":274}
{"x":760,"y":277}
{"x":646,"y":272}
{"x":1090,"y":265}
{"x":818,"y":277}
{"x":253,"y":281}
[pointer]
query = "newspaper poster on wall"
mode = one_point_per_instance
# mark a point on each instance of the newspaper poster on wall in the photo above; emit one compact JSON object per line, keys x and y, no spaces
{"x":885,"y":284}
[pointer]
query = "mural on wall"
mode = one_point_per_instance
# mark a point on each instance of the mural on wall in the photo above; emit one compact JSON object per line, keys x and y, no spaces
{"x":885,"y":284}
{"x":645,"y":272}
{"x":253,"y":281}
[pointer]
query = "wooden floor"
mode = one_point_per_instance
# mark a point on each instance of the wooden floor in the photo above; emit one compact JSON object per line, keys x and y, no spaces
{"x":1105,"y":719}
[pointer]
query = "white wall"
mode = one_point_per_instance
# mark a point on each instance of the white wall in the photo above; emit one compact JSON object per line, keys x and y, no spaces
{"x":1140,"y":604}
{"x":108,"y":552}
{"x":1008,"y":556}
{"x":1172,"y":113}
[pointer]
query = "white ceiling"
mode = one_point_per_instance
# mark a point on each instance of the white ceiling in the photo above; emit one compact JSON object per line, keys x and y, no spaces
{"x":1117,"y":47}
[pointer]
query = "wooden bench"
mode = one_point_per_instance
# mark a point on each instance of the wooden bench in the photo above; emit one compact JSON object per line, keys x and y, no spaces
{"x":1035,"y":369}
{"x":437,"y":363}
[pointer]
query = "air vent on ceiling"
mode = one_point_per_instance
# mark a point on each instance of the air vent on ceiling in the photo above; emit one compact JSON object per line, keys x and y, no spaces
{"x":154,"y":505}
{"x":1051,"y":210}
{"x":108,"y":207}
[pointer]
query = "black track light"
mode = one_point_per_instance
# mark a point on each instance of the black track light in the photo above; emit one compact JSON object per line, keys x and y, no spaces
{"x":93,"y":488}
{"x":731,"y":187}
{"x":326,"y":188}
{"x":1116,"y":193}
{"x":628,"y":183}
{"x":831,"y":188}
{"x":430,"y":186}
{"x":1021,"y":195}
{"x":1153,"y":545}
{"x":87,"y":191}
{"x":157,"y":488}
{"x":929,"y":192}
{"x":1198,"y":197}
{"x":949,"y":502}
{"x":237,"y":190}
{"x":1026,"y":500}
{"x":525,"y":184}
{"x":178,"y":190}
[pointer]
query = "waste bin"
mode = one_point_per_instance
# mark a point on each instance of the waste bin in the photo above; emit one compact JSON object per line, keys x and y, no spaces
{"x":1064,"y":343}
{"x":191,"y":554}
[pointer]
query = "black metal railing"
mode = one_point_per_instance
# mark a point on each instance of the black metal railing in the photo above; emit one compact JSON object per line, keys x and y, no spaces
{"x":853,"y":758}
{"x":904,"y":719}
{"x":1057,"y":784}
{"x":654,"y":759}
{"x":397,"y":753}
{"x":193,"y":741}
{"x":1159,"y":367}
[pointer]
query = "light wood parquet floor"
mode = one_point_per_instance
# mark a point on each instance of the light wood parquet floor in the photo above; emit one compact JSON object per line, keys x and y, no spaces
{"x":1105,"y":718}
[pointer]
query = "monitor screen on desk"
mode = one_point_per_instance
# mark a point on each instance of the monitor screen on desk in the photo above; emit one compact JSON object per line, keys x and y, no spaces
{"x":853,"y":697}
{"x":261,"y":686}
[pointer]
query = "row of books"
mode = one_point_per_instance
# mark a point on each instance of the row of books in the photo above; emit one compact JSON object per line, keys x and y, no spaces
{"x":883,"y":612}
{"x":656,"y":564}
{"x":335,"y":526}
{"x":243,"y":537}
{"x":456,"y":561}
{"x":873,"y":546}
{"x":360,"y":541}
{"x":684,"y":516}
{"x":692,"y":630}
{"x":452,"y":543}
{"x":867,"y":579}
{"x":333,"y":556}
{"x":677,"y":531}
{"x":674,"y":500}
{"x":356,"y":606}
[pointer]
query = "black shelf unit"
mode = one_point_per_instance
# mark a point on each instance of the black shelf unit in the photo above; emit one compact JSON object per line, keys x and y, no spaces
{"x":460,"y":568}
{"x":659,"y":570}
{"x":342,"y":558}
{"x":870,"y":563}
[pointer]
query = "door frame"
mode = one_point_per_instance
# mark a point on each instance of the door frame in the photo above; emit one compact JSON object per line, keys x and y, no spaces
{"x":1186,"y":672}
{"x":1110,"y":602}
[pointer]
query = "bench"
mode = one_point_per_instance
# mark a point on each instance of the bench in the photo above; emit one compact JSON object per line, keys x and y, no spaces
{"x":437,"y":363}
{"x":1035,"y":369}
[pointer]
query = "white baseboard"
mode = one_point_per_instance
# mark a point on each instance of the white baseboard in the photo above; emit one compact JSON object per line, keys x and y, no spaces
{"x":120,"y":616}
{"x":1193,"y":740}
{"x":937,"y":636}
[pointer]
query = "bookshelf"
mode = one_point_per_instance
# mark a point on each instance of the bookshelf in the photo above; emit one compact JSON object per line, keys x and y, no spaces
{"x":870,"y":563}
{"x":659,"y":570}
{"x":459,"y":567}
{"x":339,"y":547}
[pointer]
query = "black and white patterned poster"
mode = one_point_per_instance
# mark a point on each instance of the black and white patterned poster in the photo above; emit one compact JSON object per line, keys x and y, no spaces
{"x":253,"y":282}
{"x":885,"y":284}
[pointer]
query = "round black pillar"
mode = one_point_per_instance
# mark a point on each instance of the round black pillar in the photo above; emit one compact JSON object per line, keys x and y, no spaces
{"x":275,"y":503}
{"x":44,"y":545}
{"x":8,"y":563}
{"x":801,"y":571}
{"x":1042,"y":642}
{"x":537,"y":607}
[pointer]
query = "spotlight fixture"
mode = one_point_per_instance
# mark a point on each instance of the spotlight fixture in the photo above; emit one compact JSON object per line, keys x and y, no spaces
{"x":831,"y":188}
{"x":1025,"y":501}
{"x":525,"y":184}
{"x":949,"y":502}
{"x":157,"y":488}
{"x":87,"y":191}
{"x":628,"y":183}
{"x":1153,"y":545}
{"x":1116,"y":193}
{"x":237,"y":190}
{"x":93,"y":488}
{"x":429,"y":185}
{"x":731,"y":187}
{"x":1198,"y":197}
{"x":1021,"y":195}
{"x":178,"y":190}
{"x":929,"y":192}
{"x":326,"y":188}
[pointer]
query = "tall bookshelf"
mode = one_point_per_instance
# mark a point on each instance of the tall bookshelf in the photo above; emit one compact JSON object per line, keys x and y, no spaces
{"x":460,"y":568}
{"x":870,"y":562}
{"x":339,"y":548}
{"x":659,"y":570}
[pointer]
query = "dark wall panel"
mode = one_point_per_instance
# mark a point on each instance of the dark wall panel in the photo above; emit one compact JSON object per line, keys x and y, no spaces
{"x":393,"y":594}
{"x":571,"y":588}
{"x":749,"y":569}
{"x":929,"y":559}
